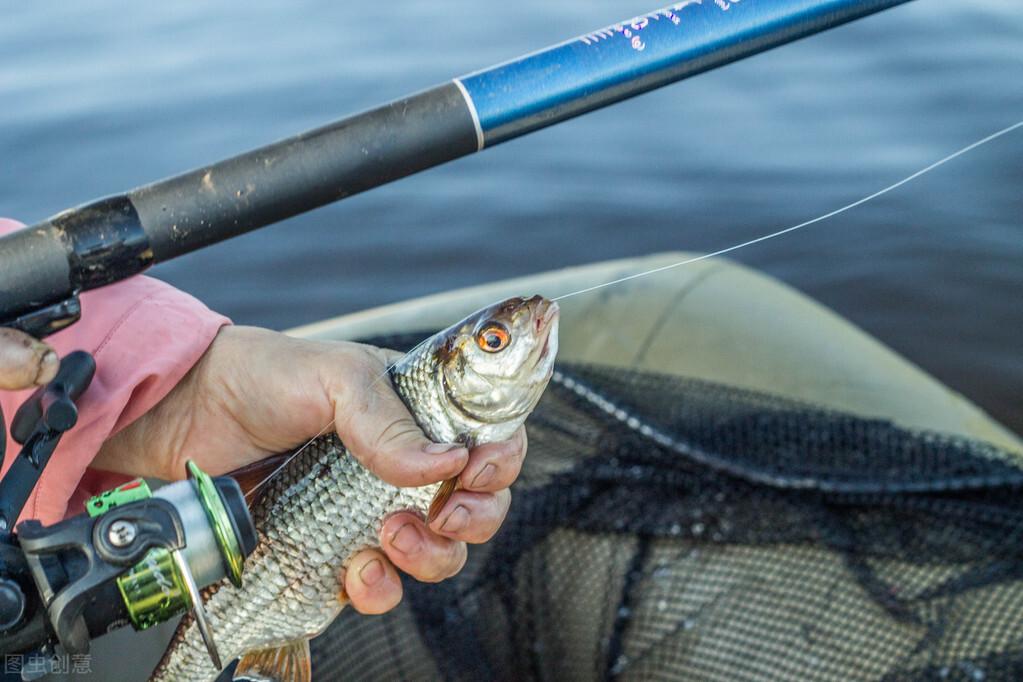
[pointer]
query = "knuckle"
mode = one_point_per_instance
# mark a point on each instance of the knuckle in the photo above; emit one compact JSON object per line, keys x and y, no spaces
{"x":490,"y":522}
{"x":431,"y":575}
{"x":397,"y":432}
{"x":391,"y":602}
{"x":508,"y":474}
{"x":355,"y":371}
{"x":522,"y":444}
{"x":452,"y":561}
{"x":459,"y":556}
{"x":372,"y":605}
{"x":481,"y":534}
{"x":512,"y":450}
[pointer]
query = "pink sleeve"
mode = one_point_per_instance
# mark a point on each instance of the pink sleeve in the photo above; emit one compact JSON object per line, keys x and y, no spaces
{"x":145,"y":336}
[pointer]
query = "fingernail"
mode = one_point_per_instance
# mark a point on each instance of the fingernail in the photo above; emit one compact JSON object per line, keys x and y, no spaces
{"x":456,"y":521}
{"x":47,"y":368}
{"x":408,"y":540}
{"x":371,"y":573}
{"x":484,"y":477}
{"x":440,"y":448}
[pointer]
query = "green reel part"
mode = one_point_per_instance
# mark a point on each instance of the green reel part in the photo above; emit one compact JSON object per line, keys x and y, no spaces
{"x":156,"y":589}
{"x":224,"y":529}
{"x":132,"y":491}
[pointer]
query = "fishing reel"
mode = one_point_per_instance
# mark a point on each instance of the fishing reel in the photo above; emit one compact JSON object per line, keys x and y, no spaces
{"x":137,"y":556}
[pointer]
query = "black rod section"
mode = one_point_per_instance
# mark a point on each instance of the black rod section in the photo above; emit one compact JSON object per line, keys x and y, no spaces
{"x":120,"y":236}
{"x":306,"y":171}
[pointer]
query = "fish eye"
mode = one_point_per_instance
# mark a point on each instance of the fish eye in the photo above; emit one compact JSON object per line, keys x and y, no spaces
{"x":493,"y":337}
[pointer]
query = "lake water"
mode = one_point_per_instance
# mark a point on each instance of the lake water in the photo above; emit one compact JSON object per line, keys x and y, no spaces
{"x":98,"y":96}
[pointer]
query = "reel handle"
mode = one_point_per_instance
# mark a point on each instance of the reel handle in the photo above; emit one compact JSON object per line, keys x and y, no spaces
{"x":53,"y":406}
{"x":39,"y":425}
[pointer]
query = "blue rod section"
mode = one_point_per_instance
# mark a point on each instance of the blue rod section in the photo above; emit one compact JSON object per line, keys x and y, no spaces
{"x":640,"y":54}
{"x":43,"y":268}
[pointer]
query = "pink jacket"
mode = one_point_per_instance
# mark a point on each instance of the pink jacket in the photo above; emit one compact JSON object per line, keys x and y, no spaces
{"x":145,"y":336}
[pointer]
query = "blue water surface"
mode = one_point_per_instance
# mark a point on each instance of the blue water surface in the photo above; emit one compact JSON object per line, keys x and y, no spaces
{"x":97,"y":96}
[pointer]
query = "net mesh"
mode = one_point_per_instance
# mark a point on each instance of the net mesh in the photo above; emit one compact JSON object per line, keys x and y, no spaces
{"x":673,"y":529}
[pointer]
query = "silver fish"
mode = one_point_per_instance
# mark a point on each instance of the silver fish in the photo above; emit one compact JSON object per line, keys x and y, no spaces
{"x":475,"y":382}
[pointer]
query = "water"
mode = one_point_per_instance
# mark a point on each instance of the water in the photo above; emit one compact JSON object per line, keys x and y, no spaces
{"x":100,"y":96}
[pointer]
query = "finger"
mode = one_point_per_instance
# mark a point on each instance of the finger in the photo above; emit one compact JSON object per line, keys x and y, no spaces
{"x":25,"y":362}
{"x":472,"y":517}
{"x":381,"y":433}
{"x":371,"y":583}
{"x":495,"y":466}
{"x":422,"y":554}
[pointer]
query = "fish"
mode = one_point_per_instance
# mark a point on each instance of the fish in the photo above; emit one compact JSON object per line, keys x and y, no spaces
{"x":475,"y":382}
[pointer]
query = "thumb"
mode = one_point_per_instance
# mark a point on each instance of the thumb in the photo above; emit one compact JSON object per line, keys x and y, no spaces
{"x":25,"y":362}
{"x":381,"y":433}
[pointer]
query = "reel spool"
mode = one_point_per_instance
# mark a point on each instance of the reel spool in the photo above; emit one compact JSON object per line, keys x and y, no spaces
{"x":218,"y":535}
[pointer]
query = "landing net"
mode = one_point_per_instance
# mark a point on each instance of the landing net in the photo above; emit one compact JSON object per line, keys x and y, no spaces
{"x":674,"y":529}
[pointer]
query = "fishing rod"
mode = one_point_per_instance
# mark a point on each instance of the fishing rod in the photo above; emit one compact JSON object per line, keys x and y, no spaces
{"x":45,"y":267}
{"x":141,"y":568}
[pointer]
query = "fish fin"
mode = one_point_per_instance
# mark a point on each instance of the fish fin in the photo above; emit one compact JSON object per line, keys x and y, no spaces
{"x":444,"y":493}
{"x":251,"y":476}
{"x":288,"y":663}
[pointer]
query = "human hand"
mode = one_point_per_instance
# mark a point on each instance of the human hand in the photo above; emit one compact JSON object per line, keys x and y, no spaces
{"x":256,"y":393}
{"x":25,"y":362}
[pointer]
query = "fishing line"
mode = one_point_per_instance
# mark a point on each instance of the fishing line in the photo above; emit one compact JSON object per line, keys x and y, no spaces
{"x":404,"y":355}
{"x":694,"y":259}
{"x":290,"y":457}
{"x":322,"y":431}
{"x":772,"y":235}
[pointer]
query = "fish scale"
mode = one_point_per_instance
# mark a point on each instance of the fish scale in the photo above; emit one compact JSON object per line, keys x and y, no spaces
{"x":319,"y":511}
{"x":322,"y":506}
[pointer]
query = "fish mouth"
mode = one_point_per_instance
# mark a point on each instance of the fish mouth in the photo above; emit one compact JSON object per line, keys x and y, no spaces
{"x":544,"y":311}
{"x":545,"y":351}
{"x":545,"y":315}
